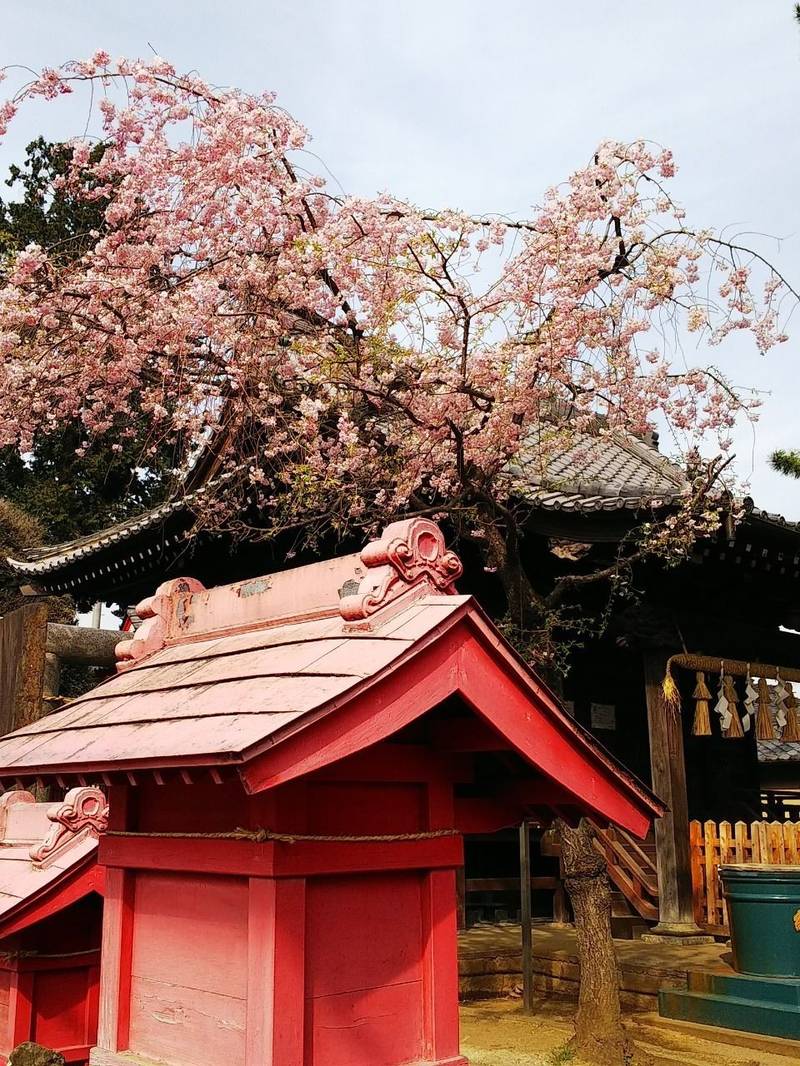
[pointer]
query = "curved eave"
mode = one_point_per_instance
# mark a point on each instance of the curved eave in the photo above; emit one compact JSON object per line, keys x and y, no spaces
{"x":76,"y":882}
{"x":454,"y":651}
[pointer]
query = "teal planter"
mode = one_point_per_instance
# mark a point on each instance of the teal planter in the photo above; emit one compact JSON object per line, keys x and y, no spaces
{"x":764,"y":916}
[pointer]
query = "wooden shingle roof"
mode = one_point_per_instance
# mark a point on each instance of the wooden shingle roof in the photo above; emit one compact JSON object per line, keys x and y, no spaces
{"x":273,"y":677}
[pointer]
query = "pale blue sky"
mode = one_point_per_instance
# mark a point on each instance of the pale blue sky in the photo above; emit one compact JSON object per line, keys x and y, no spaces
{"x":484,"y":103}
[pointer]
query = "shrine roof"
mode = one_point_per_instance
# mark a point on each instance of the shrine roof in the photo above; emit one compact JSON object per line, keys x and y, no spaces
{"x":599,"y":471}
{"x":44,"y":848}
{"x":596,"y":472}
{"x":227,"y":677}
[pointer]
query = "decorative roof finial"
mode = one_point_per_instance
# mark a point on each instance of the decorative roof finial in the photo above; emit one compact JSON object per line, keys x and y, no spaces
{"x":411,"y":554}
{"x":84,"y":812}
{"x":163,"y":615}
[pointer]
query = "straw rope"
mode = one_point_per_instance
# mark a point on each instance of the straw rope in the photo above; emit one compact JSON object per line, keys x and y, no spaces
{"x":711,"y":664}
{"x":263,"y":836}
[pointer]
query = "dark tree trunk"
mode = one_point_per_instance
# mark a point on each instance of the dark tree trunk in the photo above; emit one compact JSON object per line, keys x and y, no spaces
{"x":599,"y":1034}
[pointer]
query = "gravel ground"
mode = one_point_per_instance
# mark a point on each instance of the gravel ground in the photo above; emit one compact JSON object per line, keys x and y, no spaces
{"x":497,"y":1033}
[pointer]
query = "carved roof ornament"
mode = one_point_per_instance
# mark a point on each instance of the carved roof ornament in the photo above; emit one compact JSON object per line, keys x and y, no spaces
{"x":411,"y":554}
{"x":164,"y":614}
{"x":84,"y":812}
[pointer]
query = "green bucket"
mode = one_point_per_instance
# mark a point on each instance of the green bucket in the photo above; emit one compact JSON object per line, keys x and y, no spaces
{"x":764,"y":915}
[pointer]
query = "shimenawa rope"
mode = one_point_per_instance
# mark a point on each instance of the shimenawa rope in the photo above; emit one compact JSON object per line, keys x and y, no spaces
{"x":263,"y":836}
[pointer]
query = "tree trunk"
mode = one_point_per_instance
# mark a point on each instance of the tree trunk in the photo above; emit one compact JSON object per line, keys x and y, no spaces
{"x":599,"y":1034}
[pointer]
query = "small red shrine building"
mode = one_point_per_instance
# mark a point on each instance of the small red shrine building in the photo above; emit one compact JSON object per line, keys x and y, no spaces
{"x":291,"y":761}
{"x":50,"y":921}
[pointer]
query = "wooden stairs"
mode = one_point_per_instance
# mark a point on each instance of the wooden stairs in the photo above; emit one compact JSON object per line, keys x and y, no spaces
{"x":632,"y":873}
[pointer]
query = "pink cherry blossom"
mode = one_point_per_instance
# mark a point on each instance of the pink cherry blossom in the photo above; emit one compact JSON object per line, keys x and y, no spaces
{"x":352,"y":352}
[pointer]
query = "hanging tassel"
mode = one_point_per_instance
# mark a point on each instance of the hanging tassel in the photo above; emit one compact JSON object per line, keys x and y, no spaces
{"x":721,"y":706}
{"x":750,"y":702}
{"x":701,"y":726}
{"x":764,"y":727}
{"x":734,"y":729}
{"x":791,"y":731}
{"x":669,"y":689}
{"x":779,"y":703}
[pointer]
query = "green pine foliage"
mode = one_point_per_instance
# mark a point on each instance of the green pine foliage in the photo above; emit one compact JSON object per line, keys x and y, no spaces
{"x":786,"y":462}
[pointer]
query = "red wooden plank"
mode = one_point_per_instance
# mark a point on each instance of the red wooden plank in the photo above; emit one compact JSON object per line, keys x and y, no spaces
{"x":261,"y":975}
{"x":497,"y":688}
{"x":21,"y":1008}
{"x":301,"y":859}
{"x":114,"y":1014}
{"x":288,"y":1008}
{"x":440,"y":966}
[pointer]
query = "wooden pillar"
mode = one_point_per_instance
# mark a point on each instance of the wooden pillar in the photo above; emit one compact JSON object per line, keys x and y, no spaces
{"x":526,"y":916}
{"x":668,"y":767}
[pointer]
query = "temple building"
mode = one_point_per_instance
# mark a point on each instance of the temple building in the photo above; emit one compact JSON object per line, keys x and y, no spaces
{"x":291,"y":763}
{"x":735,"y":599}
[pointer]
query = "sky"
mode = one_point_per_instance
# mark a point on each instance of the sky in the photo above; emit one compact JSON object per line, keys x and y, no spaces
{"x":483,"y":104}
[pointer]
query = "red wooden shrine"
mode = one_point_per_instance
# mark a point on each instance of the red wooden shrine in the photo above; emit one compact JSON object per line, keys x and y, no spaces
{"x":291,"y":761}
{"x":50,"y":921}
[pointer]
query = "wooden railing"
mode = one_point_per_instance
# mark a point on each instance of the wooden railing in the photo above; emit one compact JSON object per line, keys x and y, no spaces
{"x":630,"y":868}
{"x":712,"y":843}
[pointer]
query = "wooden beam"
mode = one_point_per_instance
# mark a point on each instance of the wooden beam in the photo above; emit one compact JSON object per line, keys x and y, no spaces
{"x":81,"y":644}
{"x":668,"y":768}
{"x":303,"y":858}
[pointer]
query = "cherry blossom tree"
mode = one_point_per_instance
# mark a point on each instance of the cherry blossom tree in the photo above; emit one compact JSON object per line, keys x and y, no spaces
{"x":356,"y":358}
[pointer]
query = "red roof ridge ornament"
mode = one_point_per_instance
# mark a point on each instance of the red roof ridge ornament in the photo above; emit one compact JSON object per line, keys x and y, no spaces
{"x":83,"y":812}
{"x":163,"y":614}
{"x":411,"y":554}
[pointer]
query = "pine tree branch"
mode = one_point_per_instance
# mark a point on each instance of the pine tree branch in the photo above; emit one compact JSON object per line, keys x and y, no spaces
{"x":787,"y":463}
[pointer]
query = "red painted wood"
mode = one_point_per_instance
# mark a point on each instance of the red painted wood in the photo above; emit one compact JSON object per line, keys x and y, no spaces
{"x":288,"y":1013}
{"x":466,"y":734}
{"x":260,"y":971}
{"x":188,"y":968}
{"x":375,"y":714}
{"x":484,"y":815}
{"x":84,"y":960}
{"x":7,"y":978}
{"x":304,"y":858}
{"x":112,"y":1030}
{"x":21,"y":1008}
{"x":397,"y":762}
{"x":470,"y":660}
{"x":364,"y":982}
{"x":440,"y":962}
{"x":59,"y":1008}
{"x":84,"y":879}
{"x":367,"y":807}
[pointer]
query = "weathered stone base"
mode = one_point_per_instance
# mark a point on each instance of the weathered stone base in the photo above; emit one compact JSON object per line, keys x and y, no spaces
{"x":687,"y":939}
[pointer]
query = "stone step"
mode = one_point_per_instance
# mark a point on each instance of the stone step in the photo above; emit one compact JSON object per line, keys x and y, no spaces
{"x":769,"y":989}
{"x":731,"y":1012}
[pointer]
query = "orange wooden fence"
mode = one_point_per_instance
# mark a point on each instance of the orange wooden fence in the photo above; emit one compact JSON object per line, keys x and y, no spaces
{"x":713,"y":843}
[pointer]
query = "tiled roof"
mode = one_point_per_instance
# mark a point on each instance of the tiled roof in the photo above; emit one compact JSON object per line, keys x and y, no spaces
{"x":603,"y":472}
{"x":778,"y":751}
{"x":606,"y":471}
{"x":43,"y":561}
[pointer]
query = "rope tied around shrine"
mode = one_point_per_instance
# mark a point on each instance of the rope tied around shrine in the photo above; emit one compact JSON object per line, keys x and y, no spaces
{"x":265,"y":836}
